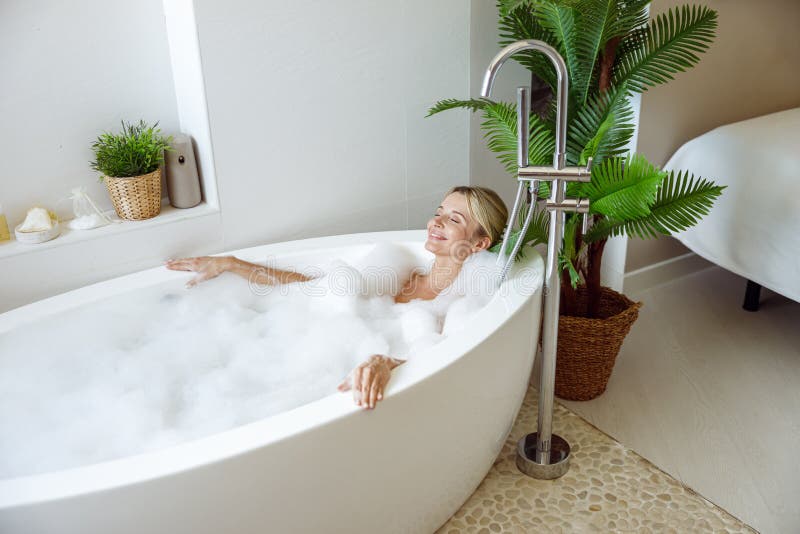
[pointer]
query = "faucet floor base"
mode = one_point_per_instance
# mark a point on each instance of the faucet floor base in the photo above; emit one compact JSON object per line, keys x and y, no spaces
{"x":559,"y":458}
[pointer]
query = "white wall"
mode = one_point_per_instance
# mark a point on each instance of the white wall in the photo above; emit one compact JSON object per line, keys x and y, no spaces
{"x":316,"y":112}
{"x":70,"y":70}
{"x":485,"y":169}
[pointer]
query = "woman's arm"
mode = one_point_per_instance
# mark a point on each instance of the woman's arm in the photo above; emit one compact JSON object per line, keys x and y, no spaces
{"x":369,"y":379}
{"x":208,"y":267}
{"x":263,"y":275}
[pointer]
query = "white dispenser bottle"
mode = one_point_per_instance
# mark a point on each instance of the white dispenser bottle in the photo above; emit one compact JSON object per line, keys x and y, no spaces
{"x":183,"y":181}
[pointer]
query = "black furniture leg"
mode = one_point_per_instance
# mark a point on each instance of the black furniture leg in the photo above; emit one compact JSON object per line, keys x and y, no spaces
{"x":751,"y":296}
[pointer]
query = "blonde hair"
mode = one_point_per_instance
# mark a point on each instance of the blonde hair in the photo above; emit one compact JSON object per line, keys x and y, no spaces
{"x":487,"y":208}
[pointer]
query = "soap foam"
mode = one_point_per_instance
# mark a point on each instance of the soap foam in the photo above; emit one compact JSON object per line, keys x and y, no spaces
{"x":155,"y":367}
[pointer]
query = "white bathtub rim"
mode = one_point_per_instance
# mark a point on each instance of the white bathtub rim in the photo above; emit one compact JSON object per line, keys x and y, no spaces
{"x":138,"y":468}
{"x":99,"y":290}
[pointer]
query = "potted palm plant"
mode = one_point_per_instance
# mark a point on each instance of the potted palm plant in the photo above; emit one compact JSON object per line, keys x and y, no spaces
{"x":129,"y":163}
{"x":611,"y":51}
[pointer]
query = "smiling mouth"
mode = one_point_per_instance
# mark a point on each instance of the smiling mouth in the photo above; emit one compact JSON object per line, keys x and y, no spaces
{"x":437,"y":237}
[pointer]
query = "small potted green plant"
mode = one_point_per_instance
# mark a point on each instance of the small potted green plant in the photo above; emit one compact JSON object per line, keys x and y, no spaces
{"x":129,"y":164}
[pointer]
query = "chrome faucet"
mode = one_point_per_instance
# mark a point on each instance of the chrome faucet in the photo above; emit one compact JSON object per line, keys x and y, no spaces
{"x":542,"y":454}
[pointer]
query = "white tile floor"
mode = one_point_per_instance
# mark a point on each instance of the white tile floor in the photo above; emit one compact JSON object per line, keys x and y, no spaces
{"x":711,"y":394}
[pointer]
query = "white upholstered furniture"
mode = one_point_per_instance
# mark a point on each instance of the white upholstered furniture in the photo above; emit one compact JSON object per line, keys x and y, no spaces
{"x":753,"y":229}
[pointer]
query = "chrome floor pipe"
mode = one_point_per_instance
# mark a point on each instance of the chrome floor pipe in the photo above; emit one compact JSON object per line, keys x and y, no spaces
{"x":542,"y":454}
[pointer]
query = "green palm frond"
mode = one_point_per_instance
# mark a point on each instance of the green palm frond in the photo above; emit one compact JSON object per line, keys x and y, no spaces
{"x":507,"y":6}
{"x":500,"y":127}
{"x":623,"y":189}
{"x":559,"y":20}
{"x":522,"y":23}
{"x":629,"y":15}
{"x":542,"y":142}
{"x":566,"y":263}
{"x":669,"y":44}
{"x":568,"y":254}
{"x":574,"y":189}
{"x":680,"y":203}
{"x":473,"y":104}
{"x":593,"y":146}
{"x":536,"y":234}
{"x":594,"y":21}
{"x":602,"y":128}
{"x":500,"y":130}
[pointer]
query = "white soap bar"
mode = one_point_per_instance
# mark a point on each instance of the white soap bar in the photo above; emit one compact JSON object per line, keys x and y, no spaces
{"x":37,"y":220}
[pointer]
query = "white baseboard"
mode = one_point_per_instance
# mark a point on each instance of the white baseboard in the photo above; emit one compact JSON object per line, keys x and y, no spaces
{"x":664,"y":271}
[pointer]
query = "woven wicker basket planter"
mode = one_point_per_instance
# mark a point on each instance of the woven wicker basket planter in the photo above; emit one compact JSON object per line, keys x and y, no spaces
{"x":588,"y":348}
{"x":136,"y":198}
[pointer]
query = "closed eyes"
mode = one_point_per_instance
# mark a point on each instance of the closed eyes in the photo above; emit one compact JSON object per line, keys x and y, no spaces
{"x":436,"y":213}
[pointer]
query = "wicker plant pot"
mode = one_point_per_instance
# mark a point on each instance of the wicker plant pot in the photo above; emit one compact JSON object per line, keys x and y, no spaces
{"x":588,"y":348}
{"x":137,"y":197}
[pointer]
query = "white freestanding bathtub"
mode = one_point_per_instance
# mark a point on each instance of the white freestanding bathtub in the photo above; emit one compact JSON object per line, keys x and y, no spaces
{"x":327,"y":466}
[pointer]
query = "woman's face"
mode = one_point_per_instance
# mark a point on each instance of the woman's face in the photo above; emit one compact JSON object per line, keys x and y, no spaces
{"x":451,"y":230}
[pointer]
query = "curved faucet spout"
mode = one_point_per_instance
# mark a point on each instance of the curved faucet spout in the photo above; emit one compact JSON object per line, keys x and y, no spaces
{"x":559,"y":158}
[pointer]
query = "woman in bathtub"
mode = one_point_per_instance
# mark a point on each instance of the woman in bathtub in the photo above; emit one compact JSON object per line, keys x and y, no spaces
{"x":469,"y":219}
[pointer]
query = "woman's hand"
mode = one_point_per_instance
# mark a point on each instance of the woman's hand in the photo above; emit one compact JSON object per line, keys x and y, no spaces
{"x":206,"y":267}
{"x":369,"y":379}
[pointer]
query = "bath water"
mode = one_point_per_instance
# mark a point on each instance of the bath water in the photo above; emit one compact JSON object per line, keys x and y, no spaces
{"x":162,"y":365}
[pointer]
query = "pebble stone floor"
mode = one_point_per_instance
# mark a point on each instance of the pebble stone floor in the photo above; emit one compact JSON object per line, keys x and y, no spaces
{"x":608,"y":488}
